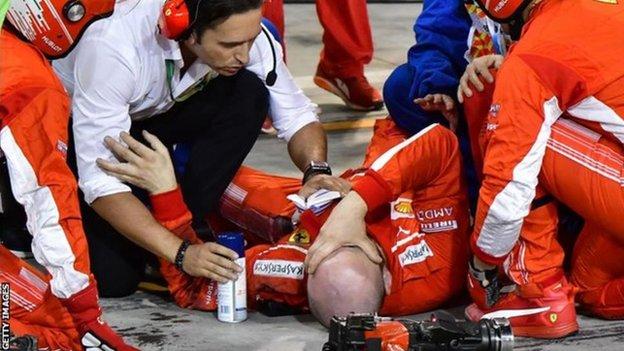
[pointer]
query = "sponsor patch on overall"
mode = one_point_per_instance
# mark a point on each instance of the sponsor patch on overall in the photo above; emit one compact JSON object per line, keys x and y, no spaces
{"x":401,"y":208}
{"x":492,"y":120}
{"x":415,"y":254}
{"x":61,"y":146}
{"x":279,"y":269}
{"x":436,"y":220}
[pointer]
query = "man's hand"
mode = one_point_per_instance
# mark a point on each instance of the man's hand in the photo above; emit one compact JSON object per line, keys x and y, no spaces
{"x":324,"y":181}
{"x":212,"y":261}
{"x":483,"y":283}
{"x":344,"y":227}
{"x":441,"y":103}
{"x":145,"y":167}
{"x":478,"y":67}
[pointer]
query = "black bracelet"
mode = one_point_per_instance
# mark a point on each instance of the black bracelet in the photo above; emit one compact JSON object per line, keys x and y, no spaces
{"x":179,"y":258}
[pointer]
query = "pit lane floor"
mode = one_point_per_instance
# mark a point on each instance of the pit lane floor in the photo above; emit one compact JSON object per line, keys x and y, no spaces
{"x":152,"y":322}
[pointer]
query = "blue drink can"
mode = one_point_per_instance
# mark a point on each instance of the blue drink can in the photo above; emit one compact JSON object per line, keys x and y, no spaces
{"x":232,"y":296}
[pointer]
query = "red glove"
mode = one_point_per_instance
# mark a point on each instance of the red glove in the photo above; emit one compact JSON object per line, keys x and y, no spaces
{"x":94,"y":333}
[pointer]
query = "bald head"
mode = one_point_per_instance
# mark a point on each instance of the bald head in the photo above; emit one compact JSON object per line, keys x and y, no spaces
{"x":345,"y":282}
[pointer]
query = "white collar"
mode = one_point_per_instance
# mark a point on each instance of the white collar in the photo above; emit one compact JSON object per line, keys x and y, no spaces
{"x":197,"y":70}
{"x":192,"y":76}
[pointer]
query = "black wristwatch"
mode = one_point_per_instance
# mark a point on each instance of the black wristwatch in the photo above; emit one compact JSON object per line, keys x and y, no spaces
{"x":314,"y":168}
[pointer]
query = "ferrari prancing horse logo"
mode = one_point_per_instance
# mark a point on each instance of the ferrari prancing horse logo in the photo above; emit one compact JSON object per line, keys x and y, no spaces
{"x":553,"y":318}
{"x":301,"y":237}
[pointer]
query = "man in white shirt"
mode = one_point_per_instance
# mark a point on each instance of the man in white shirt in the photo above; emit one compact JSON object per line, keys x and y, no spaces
{"x":212,"y":86}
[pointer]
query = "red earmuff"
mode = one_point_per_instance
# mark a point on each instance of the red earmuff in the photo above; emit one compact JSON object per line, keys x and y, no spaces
{"x":174,"y":19}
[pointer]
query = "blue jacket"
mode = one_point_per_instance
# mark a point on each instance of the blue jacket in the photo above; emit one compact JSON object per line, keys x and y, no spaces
{"x":441,"y":41}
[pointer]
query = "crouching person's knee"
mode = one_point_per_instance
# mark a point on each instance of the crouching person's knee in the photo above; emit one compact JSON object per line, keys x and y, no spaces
{"x":345,"y":282}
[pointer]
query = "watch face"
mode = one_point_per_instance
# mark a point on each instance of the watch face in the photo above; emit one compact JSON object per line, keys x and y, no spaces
{"x":317,"y":164}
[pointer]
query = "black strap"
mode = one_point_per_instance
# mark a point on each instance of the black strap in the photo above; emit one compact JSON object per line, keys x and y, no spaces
{"x":179,"y":259}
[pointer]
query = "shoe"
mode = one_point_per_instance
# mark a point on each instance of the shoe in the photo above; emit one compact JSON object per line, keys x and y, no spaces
{"x":22,"y":343}
{"x":549,"y":316}
{"x":356,"y":92}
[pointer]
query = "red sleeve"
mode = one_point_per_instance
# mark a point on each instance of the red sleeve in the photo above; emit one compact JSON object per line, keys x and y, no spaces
{"x":523,"y":110}
{"x":170,"y":210}
{"x":412,"y":164}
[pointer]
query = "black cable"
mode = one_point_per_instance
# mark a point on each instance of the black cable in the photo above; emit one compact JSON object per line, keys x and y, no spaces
{"x":272,"y":75}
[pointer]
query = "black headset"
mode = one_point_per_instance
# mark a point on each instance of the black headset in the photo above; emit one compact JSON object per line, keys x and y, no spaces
{"x":272,"y":75}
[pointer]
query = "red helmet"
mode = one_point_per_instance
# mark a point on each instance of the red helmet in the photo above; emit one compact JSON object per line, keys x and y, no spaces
{"x":503,"y":10}
{"x":55,"y":26}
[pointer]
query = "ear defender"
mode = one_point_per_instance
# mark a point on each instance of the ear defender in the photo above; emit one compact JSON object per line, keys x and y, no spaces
{"x":174,"y":19}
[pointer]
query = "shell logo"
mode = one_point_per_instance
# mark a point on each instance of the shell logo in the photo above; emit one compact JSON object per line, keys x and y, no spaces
{"x":168,"y":12}
{"x":404,"y":208}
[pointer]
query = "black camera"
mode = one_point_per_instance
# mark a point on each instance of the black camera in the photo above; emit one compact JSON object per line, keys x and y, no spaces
{"x":442,"y":331}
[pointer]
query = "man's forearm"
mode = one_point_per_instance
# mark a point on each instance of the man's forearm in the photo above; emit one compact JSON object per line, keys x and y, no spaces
{"x":132,"y":219}
{"x":308,"y":144}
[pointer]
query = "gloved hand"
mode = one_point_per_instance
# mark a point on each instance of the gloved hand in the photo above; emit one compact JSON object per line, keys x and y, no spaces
{"x":94,"y":333}
{"x":483,"y":285}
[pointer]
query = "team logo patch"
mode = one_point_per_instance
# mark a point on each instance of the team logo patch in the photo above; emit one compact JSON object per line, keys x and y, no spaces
{"x":401,"y":208}
{"x":415,"y":254}
{"x":279,"y":269}
{"x":300,"y":237}
{"x":435,"y":227}
{"x":553,"y":317}
{"x":436,"y":220}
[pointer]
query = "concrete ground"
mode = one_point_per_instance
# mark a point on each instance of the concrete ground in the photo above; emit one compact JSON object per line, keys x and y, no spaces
{"x":151,"y":322}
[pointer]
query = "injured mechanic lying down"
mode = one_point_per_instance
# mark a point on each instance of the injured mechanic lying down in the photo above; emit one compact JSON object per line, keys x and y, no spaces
{"x":396,"y":244}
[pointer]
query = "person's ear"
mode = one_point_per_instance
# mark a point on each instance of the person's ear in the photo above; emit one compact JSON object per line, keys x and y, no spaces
{"x":191,"y":40}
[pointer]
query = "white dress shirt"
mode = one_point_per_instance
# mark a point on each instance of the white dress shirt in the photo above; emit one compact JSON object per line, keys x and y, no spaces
{"x":117,"y":74}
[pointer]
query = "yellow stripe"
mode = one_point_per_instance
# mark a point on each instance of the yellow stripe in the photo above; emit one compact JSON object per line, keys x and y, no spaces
{"x":152,"y":287}
{"x":362,"y":123}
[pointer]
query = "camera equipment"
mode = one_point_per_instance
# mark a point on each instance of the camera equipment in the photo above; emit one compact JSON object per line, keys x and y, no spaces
{"x":442,"y":332}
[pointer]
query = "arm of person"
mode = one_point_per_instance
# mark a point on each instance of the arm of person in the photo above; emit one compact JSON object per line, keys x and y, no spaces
{"x":151,"y":168}
{"x":519,"y":125}
{"x":438,"y":57}
{"x":439,"y":53}
{"x":104,"y":82}
{"x":410,"y":165}
{"x":479,"y":68}
{"x":292,"y":112}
